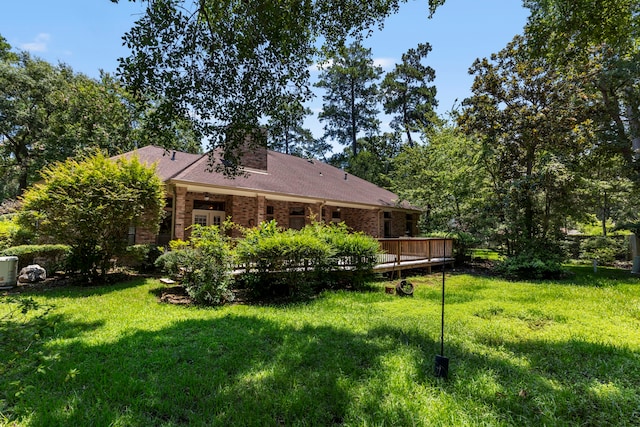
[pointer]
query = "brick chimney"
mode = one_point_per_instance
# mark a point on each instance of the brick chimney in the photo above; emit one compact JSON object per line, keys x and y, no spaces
{"x":254,"y":155}
{"x":253,"y":151}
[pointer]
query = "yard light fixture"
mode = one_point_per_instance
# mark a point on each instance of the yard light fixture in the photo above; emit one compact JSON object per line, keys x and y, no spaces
{"x":442,"y":362}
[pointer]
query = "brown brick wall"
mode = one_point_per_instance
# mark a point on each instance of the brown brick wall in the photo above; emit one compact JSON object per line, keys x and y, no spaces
{"x":365,"y":220}
{"x":144,"y":236}
{"x":250,"y":211}
{"x":180,"y":221}
{"x":398,"y":223}
{"x":243,"y":211}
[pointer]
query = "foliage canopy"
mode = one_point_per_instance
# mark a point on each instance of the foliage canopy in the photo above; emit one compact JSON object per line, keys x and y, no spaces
{"x":227,"y":64}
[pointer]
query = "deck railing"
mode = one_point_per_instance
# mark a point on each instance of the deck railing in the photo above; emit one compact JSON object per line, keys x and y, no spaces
{"x":415,"y":249}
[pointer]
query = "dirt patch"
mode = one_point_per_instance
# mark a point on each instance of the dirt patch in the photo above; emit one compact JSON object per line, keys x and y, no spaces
{"x":175,"y":295}
{"x":61,"y":281}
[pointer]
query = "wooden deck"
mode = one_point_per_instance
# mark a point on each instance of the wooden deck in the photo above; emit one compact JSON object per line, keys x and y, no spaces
{"x":409,"y":253}
{"x":397,"y":255}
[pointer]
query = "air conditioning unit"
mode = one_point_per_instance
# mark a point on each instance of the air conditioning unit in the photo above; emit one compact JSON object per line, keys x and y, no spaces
{"x":8,"y":272}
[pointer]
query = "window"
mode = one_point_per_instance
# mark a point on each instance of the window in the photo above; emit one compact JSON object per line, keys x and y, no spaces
{"x":208,"y":205}
{"x":164,"y":233}
{"x":200,"y":219}
{"x":387,"y":224}
{"x":270,"y":213}
{"x":409,"y":225}
{"x":335,"y":216}
{"x":131,"y":236}
{"x":208,"y":217}
{"x":296,"y":211}
{"x":296,"y":218}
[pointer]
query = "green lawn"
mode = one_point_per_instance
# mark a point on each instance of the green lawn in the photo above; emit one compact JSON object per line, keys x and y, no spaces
{"x":565,"y":353}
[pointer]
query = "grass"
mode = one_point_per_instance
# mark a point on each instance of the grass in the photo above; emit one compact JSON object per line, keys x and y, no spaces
{"x":486,"y":254}
{"x":521,"y":353}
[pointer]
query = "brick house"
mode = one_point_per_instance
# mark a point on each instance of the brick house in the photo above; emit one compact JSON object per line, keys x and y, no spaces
{"x":277,"y":186}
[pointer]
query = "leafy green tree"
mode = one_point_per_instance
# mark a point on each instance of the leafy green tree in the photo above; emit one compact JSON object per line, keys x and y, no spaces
{"x":446,"y":178}
{"x":90,"y":206}
{"x":534,"y":125}
{"x":5,"y":50}
{"x":600,"y":39}
{"x":49,"y":113}
{"x":25,"y":105}
{"x":350,"y":100}
{"x":226,"y":64}
{"x":374,"y":160}
{"x":406,"y":92}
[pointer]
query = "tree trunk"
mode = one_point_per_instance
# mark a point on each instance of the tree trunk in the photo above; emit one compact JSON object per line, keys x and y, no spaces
{"x":354,"y":140}
{"x":605,"y":209}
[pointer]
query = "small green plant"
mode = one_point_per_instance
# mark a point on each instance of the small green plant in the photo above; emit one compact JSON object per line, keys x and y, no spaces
{"x":11,"y":234}
{"x":203,"y":265}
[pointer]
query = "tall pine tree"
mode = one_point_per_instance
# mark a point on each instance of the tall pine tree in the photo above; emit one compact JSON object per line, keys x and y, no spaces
{"x":350,"y":101}
{"x":407,"y":94}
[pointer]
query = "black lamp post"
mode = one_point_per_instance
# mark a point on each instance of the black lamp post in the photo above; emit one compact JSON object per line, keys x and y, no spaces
{"x":442,"y":362}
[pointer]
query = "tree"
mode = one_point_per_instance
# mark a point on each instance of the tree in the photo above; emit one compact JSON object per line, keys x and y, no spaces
{"x":25,"y":105}
{"x":601,"y":39}
{"x":49,"y":113}
{"x":5,"y":50}
{"x":374,"y":161}
{"x":350,"y":100}
{"x":225,"y":64}
{"x":534,"y":125}
{"x":286,"y":133}
{"x":446,"y":178}
{"x":90,"y":205}
{"x":406,"y":93}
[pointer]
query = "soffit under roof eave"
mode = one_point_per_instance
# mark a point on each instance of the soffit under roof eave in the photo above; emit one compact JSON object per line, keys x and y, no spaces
{"x":197,"y":188}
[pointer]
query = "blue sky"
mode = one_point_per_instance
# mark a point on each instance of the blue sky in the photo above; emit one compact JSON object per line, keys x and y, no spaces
{"x":87,"y":35}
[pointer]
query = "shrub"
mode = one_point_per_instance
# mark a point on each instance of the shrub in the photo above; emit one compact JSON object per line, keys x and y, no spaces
{"x":300,"y":262}
{"x":605,"y":250}
{"x":538,"y":260}
{"x":282,"y":261}
{"x":203,"y":265}
{"x":141,"y":257}
{"x":11,"y":234}
{"x":356,"y":251}
{"x":90,"y":205}
{"x":53,"y":257}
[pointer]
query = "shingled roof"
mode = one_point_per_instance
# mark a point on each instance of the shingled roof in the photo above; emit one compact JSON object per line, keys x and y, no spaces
{"x":285,"y":175}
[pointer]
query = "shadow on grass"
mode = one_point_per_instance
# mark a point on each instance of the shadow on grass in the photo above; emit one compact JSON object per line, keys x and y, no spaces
{"x":233,"y":371}
{"x":567,"y":383}
{"x":77,"y":289}
{"x":244,"y":370}
{"x":604,"y":276}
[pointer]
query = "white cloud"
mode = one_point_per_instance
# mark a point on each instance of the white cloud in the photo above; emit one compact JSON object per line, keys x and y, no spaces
{"x":39,"y":44}
{"x":319,"y":66}
{"x":385,"y":63}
